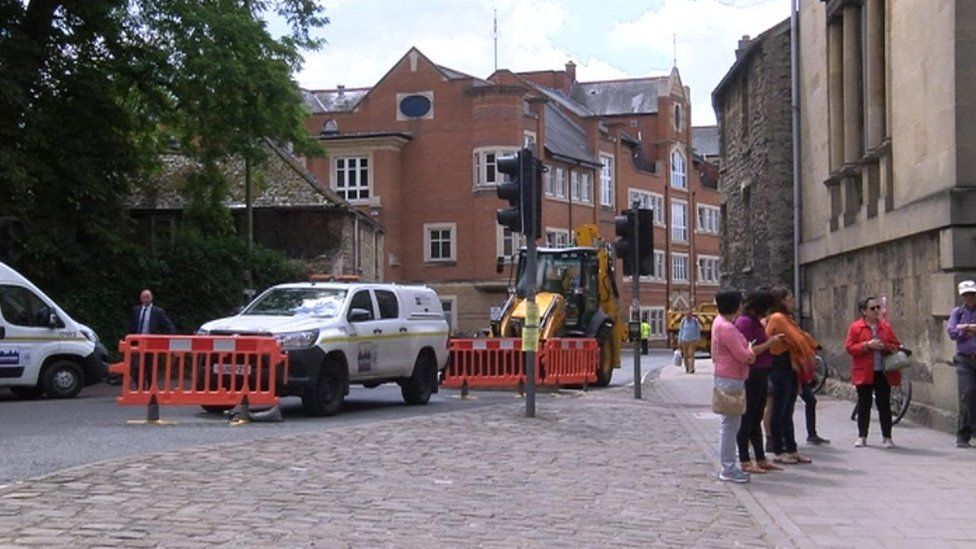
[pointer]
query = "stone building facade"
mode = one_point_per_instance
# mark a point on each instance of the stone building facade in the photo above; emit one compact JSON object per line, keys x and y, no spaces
{"x":752,"y":108}
{"x":417,"y":152}
{"x":888,"y":175}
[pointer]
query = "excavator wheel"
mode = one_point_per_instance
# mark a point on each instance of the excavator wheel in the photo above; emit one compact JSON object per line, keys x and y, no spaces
{"x":603,"y":375}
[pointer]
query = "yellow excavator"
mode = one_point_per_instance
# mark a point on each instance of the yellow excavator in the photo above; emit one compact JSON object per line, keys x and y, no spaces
{"x":576,"y":295}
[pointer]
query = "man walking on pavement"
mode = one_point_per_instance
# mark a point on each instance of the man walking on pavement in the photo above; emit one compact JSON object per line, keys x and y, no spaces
{"x":962,"y":330}
{"x":645,"y":333}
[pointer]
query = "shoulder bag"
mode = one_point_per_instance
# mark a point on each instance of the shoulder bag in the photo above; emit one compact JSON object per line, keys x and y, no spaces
{"x":729,"y":402}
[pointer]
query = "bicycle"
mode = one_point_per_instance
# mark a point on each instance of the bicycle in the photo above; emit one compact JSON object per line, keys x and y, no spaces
{"x":820,"y":373}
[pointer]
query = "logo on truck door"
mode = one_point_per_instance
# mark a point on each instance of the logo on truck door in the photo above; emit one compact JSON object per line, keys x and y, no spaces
{"x":367,"y":357}
{"x":9,"y":357}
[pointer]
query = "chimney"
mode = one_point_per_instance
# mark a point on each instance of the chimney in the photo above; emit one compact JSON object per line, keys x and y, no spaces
{"x":342,"y":90}
{"x":743,"y":44}
{"x":571,"y":72}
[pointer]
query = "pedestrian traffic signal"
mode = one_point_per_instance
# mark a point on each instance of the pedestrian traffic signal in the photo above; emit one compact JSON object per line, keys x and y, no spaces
{"x":522,"y":191}
{"x":11,"y":239}
{"x":624,"y":226}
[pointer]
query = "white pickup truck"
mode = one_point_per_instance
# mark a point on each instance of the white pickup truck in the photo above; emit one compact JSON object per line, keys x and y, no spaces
{"x":337,"y":334}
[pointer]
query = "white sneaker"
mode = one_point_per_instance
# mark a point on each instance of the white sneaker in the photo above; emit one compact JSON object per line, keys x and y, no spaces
{"x":887,"y":443}
{"x":861,"y":442}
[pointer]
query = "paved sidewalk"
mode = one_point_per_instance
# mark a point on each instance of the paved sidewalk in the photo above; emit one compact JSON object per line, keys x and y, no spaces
{"x":600,"y":470}
{"x":920,"y":494}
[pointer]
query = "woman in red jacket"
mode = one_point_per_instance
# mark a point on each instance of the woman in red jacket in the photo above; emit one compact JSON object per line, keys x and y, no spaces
{"x":869,"y":339}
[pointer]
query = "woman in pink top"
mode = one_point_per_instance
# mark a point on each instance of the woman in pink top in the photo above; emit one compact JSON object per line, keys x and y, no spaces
{"x":731,"y":357}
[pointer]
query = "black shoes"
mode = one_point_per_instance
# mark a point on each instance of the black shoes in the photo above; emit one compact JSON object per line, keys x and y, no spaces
{"x":817,"y":440}
{"x":962,"y":443}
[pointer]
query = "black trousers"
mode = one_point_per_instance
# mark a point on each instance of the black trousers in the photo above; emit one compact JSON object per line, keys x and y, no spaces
{"x":966,"y":376}
{"x":750,"y":430}
{"x":810,"y":400}
{"x":882,"y":397}
{"x":784,"y":384}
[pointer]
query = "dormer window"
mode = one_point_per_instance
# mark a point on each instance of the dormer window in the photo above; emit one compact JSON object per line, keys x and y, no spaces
{"x":331,"y":127}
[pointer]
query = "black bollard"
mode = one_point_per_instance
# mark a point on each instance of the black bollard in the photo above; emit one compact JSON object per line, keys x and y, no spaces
{"x":152,"y":411}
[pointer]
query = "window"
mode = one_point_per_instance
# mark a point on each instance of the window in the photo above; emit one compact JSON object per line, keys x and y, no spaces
{"x":574,"y":186}
{"x":708,"y":270}
{"x":387,"y":301}
{"x":650,"y":200}
{"x":606,"y":180}
{"x":508,"y":243}
{"x":486,"y":165}
{"x":678,"y":180}
{"x":557,"y":238}
{"x":708,"y":219}
{"x":21,"y":307}
{"x":352,"y":177}
{"x":679,"y":267}
{"x":658,"y":265}
{"x":677,"y":117}
{"x":449,"y":304}
{"x":528,"y":141}
{"x":415,"y":105}
{"x":586,"y":187}
{"x":560,"y":183}
{"x":439,"y":242}
{"x":679,"y":221}
{"x":655,"y":317}
{"x":361,"y":300}
{"x":547,"y":177}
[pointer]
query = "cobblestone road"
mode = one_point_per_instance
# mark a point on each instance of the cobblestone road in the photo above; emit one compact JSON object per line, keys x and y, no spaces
{"x":600,"y":470}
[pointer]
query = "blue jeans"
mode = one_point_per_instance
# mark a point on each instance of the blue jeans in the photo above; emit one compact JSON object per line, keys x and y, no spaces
{"x":728,"y":428}
{"x":783,"y":380}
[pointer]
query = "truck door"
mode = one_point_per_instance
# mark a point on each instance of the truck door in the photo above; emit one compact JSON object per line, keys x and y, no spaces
{"x":397,"y":349}
{"x":26,"y":337}
{"x":363,"y":354}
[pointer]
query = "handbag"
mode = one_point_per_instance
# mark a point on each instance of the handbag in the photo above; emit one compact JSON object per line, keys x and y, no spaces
{"x":896,"y":361}
{"x":731,"y":402}
{"x":676,"y":359}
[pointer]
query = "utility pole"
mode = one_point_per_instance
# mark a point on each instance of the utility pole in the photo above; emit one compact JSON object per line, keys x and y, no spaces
{"x":635,"y":297}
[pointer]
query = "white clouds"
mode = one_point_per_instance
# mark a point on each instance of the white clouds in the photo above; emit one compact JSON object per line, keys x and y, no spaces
{"x":366,"y":37}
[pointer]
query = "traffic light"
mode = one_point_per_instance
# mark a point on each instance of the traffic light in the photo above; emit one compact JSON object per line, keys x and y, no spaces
{"x":645,"y":241}
{"x":11,"y":239}
{"x":522,"y":191}
{"x":624,"y":226}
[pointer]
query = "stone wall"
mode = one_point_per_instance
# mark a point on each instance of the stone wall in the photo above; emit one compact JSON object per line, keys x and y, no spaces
{"x":755,"y":181}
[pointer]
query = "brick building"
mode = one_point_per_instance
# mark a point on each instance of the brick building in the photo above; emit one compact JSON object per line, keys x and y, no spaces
{"x":752,"y":108}
{"x":417,"y":152}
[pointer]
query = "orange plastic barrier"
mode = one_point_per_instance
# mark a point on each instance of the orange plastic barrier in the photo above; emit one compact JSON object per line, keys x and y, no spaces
{"x":484,"y":363}
{"x":497,"y":363}
{"x":200,"y":370}
{"x":570,"y":361}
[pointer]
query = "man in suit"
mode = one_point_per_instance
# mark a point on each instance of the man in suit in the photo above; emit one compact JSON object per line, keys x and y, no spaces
{"x":148,"y":318}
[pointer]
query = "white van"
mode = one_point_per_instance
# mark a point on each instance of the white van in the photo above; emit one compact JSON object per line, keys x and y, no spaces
{"x":42,"y":349}
{"x":337,"y":334}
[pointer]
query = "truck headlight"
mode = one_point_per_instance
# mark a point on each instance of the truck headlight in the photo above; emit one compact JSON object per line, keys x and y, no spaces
{"x":90,"y":336}
{"x":297,"y":340}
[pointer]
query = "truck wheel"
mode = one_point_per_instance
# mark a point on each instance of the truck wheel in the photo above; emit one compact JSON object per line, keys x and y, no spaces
{"x":27,"y":393}
{"x":420,"y":385}
{"x":62,"y":380}
{"x":325,"y":397}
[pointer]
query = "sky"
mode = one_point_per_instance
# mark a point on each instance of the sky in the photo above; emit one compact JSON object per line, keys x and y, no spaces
{"x":607,"y":39}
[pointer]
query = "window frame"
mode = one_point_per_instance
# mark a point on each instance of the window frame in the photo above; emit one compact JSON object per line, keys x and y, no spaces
{"x":674,"y":274}
{"x":557,"y":233}
{"x":480,"y":165}
{"x":428,"y":229}
{"x":607,"y":175}
{"x":559,"y":185}
{"x":344,"y":192}
{"x":501,"y":237}
{"x":655,"y":316}
{"x":679,"y":173}
{"x":716,"y":267}
{"x":676,"y":236}
{"x":704,"y":228}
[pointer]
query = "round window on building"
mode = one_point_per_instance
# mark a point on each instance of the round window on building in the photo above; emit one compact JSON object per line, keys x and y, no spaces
{"x":415,"y":106}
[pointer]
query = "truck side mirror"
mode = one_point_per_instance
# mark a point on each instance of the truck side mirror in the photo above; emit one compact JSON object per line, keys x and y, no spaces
{"x":359,"y":315}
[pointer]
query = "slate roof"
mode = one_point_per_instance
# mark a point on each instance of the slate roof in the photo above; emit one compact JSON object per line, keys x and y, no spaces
{"x":616,"y":97}
{"x":324,"y":101}
{"x":565,"y":138}
{"x":282,"y":182}
{"x":704,"y":139}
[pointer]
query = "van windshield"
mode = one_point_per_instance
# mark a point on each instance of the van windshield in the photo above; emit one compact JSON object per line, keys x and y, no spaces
{"x":324,"y":302}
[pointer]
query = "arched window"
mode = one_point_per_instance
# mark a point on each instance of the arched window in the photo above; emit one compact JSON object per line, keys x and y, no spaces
{"x":678,"y":176}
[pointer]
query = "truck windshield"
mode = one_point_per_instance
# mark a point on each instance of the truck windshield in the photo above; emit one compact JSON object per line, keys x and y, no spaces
{"x":559,"y":272}
{"x":324,"y":302}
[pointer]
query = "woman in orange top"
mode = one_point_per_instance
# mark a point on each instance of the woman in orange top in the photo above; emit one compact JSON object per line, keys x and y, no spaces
{"x":792,"y":362}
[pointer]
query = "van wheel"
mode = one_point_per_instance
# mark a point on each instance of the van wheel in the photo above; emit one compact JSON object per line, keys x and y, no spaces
{"x":62,"y":380}
{"x":420,"y":385}
{"x":325,"y":397}
{"x":27,"y":393}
